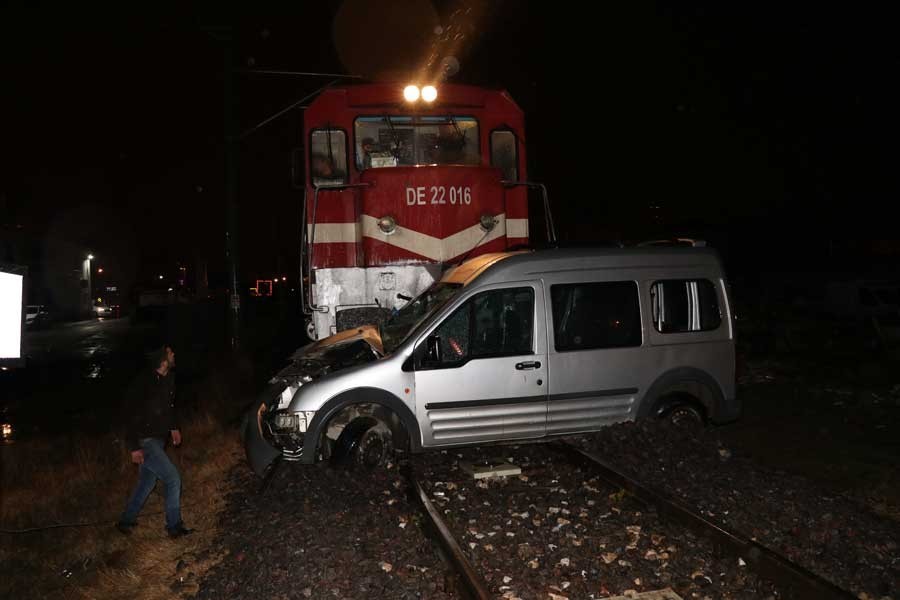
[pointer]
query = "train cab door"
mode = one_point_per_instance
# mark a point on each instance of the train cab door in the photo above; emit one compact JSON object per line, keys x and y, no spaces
{"x":481,"y":374}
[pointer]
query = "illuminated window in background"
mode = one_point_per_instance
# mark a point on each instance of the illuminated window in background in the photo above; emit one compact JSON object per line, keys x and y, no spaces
{"x":328,"y":157}
{"x":390,"y":141}
{"x":263,"y":287}
{"x":504,"y":154}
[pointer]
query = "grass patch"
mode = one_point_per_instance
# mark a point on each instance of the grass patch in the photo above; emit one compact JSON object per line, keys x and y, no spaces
{"x":76,"y":480}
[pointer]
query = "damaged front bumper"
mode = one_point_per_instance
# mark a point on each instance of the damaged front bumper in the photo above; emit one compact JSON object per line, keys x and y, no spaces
{"x":271,"y":430}
{"x":270,"y":433}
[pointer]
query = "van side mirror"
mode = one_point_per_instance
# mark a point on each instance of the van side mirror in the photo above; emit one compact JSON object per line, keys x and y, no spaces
{"x":433,"y":349}
{"x":298,"y":169}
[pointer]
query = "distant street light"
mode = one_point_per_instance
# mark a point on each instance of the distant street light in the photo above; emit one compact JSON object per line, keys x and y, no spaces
{"x":87,"y":280}
{"x":160,"y":276}
{"x":100,"y":270}
{"x":284,"y":278}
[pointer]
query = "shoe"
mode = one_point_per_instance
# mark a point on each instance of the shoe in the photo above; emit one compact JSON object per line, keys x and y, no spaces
{"x":125,"y":528}
{"x":179,"y":531}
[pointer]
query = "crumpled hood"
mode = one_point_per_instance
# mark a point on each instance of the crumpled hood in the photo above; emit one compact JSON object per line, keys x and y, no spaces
{"x":367,"y":333}
{"x":345,"y":349}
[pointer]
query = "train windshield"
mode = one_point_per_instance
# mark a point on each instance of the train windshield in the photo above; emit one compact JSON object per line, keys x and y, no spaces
{"x":398,"y":141}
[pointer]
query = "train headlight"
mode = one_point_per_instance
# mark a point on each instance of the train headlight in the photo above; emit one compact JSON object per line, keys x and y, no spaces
{"x":429,"y":93}
{"x":411,"y":93}
{"x":488,"y":222}
{"x":387,"y":224}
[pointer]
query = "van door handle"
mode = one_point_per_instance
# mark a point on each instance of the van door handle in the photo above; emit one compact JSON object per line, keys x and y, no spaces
{"x":531,"y":364}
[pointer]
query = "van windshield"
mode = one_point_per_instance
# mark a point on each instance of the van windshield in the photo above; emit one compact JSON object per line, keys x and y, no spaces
{"x":407,"y":319}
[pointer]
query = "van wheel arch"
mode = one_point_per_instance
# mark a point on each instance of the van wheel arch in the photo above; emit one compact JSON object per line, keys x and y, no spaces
{"x":369,"y":406}
{"x":682,"y":387}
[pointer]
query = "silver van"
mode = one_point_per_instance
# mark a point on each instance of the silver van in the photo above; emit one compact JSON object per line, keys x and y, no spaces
{"x":512,"y":346}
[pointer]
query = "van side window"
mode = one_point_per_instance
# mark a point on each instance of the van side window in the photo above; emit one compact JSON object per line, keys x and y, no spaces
{"x":683,"y":305}
{"x":490,"y":324}
{"x":595,"y":315}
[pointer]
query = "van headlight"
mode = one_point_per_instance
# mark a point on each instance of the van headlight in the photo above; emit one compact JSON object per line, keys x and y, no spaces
{"x":292,"y":421}
{"x":289,"y":421}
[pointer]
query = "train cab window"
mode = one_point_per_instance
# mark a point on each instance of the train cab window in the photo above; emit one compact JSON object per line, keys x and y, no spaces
{"x":328,"y":157}
{"x":504,"y":154}
{"x":396,"y":141}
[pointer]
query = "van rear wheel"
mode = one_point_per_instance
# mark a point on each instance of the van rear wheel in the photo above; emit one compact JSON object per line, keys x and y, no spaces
{"x":684,"y":415}
{"x":681,"y":411}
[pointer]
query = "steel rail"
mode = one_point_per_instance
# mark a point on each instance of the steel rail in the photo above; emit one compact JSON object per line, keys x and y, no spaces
{"x":795,"y":580}
{"x":474,"y":584}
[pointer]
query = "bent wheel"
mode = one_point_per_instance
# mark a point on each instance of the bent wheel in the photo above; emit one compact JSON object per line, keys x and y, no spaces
{"x":376,"y":447}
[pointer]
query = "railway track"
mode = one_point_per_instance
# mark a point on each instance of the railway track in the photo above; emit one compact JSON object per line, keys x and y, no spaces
{"x":471,"y":581}
{"x":790,"y":579}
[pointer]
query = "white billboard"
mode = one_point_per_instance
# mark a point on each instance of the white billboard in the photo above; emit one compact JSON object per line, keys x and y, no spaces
{"x":11,"y":315}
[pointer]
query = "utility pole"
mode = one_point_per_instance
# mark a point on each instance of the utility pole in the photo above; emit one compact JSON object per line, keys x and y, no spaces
{"x":231,"y":150}
{"x":225,"y":36}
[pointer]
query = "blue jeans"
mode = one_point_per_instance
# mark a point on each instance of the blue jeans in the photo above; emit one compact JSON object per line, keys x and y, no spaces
{"x":156,"y":465}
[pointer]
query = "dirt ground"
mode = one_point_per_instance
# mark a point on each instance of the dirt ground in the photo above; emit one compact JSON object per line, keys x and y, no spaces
{"x":322,"y":532}
{"x":833,"y":422}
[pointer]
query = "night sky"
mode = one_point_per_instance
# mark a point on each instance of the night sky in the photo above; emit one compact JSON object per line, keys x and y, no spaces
{"x":759,"y":122}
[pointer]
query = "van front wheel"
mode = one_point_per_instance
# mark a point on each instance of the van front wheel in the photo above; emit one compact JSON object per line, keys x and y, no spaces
{"x":376,"y":447}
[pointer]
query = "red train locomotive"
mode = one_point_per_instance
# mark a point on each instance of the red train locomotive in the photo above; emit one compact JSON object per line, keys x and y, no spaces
{"x":401,"y":182}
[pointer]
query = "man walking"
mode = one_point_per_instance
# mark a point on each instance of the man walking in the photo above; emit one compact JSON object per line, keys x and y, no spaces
{"x":153,"y":419}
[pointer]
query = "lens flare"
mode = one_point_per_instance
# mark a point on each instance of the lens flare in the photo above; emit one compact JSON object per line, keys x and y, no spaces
{"x":411,"y":93}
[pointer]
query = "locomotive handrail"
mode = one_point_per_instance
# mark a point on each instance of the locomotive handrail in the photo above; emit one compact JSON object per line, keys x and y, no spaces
{"x":551,"y":229}
{"x":310,"y":307}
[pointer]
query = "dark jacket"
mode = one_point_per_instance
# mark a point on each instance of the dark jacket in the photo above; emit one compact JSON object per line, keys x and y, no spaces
{"x":151,"y":404}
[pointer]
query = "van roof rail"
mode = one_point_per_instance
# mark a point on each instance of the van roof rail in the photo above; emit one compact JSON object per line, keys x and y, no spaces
{"x":567,"y":244}
{"x":690,"y":242}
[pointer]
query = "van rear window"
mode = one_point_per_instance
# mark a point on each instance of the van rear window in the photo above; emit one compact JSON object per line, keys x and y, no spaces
{"x":595,"y":315}
{"x":683,"y":305}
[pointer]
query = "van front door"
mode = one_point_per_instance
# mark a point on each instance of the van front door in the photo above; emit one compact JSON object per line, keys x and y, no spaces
{"x":481,"y":375}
